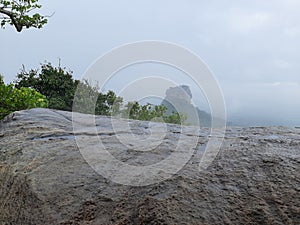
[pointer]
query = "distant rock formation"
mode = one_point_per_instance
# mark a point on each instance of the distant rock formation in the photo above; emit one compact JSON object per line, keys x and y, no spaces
{"x":44,"y":179}
{"x":178,"y":99}
{"x":180,"y":93}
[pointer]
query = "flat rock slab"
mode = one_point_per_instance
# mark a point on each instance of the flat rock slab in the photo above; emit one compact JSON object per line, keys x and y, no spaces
{"x":44,"y":178}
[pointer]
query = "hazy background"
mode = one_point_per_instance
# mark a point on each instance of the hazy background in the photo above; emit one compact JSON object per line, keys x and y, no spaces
{"x":251,"y":46}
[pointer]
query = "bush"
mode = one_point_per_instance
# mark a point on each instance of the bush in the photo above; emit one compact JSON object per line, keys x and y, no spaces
{"x":14,"y":99}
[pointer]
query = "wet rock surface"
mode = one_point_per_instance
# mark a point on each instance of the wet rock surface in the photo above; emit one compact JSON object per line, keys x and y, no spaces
{"x":44,"y":179}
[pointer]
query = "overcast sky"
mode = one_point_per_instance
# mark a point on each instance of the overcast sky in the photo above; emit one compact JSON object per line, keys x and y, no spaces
{"x":252,"y":47}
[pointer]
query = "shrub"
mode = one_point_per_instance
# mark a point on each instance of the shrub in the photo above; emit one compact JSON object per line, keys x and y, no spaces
{"x":14,"y":99}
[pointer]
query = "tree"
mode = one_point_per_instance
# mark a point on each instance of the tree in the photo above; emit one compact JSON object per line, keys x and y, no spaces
{"x":147,"y":112}
{"x":54,"y":82}
{"x":108,"y":104}
{"x":89,"y":100}
{"x":13,"y":99}
{"x":61,"y":90}
{"x":18,"y":14}
{"x":59,"y":87}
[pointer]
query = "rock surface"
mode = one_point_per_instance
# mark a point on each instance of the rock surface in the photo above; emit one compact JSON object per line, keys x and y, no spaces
{"x":44,"y":179}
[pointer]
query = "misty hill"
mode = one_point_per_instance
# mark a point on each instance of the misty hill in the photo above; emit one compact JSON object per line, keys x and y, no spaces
{"x":44,"y":178}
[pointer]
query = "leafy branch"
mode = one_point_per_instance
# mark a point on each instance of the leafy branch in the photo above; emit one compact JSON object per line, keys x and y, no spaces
{"x":17,"y":14}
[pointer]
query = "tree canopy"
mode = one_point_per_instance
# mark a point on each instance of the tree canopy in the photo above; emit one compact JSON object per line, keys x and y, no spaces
{"x":55,"y":83}
{"x":19,"y":14}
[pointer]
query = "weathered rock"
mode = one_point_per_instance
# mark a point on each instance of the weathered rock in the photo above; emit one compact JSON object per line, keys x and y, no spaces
{"x":44,"y":179}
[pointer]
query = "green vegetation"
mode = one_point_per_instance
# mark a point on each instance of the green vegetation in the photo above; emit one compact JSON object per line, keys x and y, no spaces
{"x":54,"y":87}
{"x":134,"y":110}
{"x":55,"y":83}
{"x":18,"y":14}
{"x":59,"y":87}
{"x":14,"y":99}
{"x":89,"y":98}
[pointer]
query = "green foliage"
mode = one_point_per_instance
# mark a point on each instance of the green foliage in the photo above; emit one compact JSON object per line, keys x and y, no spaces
{"x":108,"y":104}
{"x":133,"y":110}
{"x":59,"y":88}
{"x":54,"y":82}
{"x":85,"y":98}
{"x":90,"y":100}
{"x":18,"y":14}
{"x":14,"y":99}
{"x":176,"y":118}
